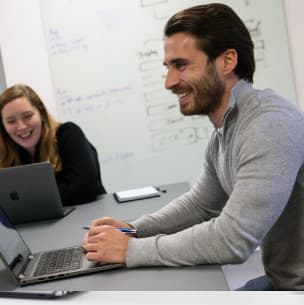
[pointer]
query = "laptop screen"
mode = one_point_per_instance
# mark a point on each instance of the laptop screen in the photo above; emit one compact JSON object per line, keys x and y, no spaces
{"x":14,"y":251}
{"x":29,"y":193}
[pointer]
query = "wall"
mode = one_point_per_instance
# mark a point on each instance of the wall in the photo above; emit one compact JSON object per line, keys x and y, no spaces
{"x":2,"y":76}
{"x":294,"y":18}
{"x":23,"y":49}
{"x":26,"y":60}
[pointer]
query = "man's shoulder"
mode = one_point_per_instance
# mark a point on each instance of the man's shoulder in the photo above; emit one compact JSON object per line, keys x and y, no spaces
{"x":266,"y":103}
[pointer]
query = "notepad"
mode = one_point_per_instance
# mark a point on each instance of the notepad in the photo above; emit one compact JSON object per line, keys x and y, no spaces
{"x":136,"y":194}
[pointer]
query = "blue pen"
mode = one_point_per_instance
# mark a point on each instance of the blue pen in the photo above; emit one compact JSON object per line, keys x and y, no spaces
{"x":127,"y":230}
{"x":124,"y":230}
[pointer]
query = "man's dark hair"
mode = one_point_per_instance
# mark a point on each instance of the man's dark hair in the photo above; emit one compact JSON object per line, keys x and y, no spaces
{"x":217,"y":28}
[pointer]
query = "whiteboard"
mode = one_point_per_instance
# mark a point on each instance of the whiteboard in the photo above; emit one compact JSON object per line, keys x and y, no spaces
{"x":106,"y":63}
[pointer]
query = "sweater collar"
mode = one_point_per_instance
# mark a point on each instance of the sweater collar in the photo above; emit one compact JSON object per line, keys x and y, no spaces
{"x":237,"y":91}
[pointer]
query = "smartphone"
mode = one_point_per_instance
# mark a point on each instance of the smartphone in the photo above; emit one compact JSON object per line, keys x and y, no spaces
{"x":136,"y":194}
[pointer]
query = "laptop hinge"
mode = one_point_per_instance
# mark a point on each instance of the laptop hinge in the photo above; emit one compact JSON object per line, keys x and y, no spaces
{"x":21,"y":274}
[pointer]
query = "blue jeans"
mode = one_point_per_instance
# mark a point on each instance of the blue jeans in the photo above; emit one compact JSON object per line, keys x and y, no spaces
{"x":258,"y":284}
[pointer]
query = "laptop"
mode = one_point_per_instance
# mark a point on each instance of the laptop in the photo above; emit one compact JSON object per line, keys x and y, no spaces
{"x":36,"y":294}
{"x":31,"y":268}
{"x":30,"y":193}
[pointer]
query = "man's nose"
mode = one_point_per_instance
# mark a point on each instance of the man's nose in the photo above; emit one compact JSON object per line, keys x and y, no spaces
{"x":172,"y":79}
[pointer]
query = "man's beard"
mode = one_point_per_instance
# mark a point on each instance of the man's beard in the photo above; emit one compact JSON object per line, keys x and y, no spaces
{"x":208,"y":93}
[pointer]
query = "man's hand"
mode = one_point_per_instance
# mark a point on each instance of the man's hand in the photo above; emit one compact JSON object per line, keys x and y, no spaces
{"x":109,"y":221}
{"x":106,"y":244}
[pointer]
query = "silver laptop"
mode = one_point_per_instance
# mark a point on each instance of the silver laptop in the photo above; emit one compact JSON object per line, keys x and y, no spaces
{"x":30,"y":193}
{"x":29,"y":268}
{"x":35,"y":294}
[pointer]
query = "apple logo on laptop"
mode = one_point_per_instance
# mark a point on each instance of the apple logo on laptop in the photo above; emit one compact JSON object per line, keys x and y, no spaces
{"x":14,"y":195}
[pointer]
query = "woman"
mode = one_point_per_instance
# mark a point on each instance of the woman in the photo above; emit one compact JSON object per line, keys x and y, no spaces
{"x":29,"y":134}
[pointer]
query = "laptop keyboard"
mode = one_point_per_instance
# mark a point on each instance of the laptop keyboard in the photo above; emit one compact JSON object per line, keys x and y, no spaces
{"x":59,"y":260}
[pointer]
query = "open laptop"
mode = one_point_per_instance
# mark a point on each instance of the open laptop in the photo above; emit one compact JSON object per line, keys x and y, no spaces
{"x":30,"y":193}
{"x":29,"y":268}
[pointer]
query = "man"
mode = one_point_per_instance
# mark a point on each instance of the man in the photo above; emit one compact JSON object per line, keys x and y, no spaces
{"x":250,"y":192}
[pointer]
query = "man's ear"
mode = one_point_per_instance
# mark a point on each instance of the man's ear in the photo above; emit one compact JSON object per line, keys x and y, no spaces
{"x":229,"y":61}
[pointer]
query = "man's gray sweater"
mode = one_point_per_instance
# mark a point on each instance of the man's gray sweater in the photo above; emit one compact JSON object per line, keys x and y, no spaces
{"x":250,"y":193}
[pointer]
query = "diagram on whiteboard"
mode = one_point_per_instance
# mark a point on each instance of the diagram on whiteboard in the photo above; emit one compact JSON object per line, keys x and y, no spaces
{"x":106,"y":61}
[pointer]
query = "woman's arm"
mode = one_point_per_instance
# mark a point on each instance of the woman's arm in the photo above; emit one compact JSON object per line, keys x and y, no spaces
{"x":79,"y":181}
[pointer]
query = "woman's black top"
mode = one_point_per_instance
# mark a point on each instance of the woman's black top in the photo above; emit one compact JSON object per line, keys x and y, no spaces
{"x":79,"y":181}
